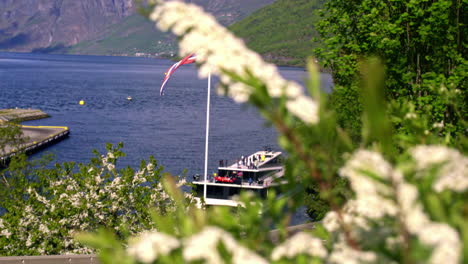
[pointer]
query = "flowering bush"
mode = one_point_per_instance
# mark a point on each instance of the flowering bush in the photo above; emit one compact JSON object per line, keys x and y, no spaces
{"x":58,"y":203}
{"x":410,"y":196}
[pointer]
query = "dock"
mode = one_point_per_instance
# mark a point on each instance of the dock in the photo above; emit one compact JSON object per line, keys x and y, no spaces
{"x":19,"y":115}
{"x":35,"y":137}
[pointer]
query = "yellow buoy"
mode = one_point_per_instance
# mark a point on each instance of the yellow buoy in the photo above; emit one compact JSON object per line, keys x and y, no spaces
{"x":82,"y":102}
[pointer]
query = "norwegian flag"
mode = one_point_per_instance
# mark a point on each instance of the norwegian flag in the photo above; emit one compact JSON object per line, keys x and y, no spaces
{"x":187,"y":60}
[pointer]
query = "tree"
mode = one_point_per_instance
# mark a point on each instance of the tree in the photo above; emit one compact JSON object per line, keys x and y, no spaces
{"x":422,"y":47}
{"x":11,"y":137}
{"x":46,"y":207}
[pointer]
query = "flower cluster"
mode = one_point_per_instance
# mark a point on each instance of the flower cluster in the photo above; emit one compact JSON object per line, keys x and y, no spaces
{"x":343,"y":253}
{"x":453,"y":174}
{"x":382,"y":193}
{"x":220,"y":52}
{"x":149,"y":245}
{"x":300,"y":243}
{"x":97,"y":196}
{"x":203,"y":246}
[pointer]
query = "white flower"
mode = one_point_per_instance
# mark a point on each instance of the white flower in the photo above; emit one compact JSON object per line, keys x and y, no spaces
{"x":239,"y":92}
{"x":6,"y":233}
{"x":43,"y":228}
{"x":110,"y":166}
{"x":300,"y":243}
{"x":438,"y":125}
{"x":411,"y":210}
{"x":445,"y":241}
{"x":330,"y":221}
{"x":370,"y":201}
{"x":181,"y":182}
{"x":29,"y":241}
{"x":453,"y":174}
{"x":150,"y":167}
{"x":114,"y":196}
{"x":410,"y":115}
{"x":98,"y":179}
{"x":149,"y":245}
{"x":204,"y":246}
{"x":75,"y":202}
{"x":305,"y":108}
{"x":343,"y":254}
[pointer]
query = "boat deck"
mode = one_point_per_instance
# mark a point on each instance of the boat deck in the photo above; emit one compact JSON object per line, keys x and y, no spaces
{"x":258,"y":161}
{"x":242,"y":167}
{"x":246,"y":185}
{"x":255,"y":173}
{"x":266,"y":182}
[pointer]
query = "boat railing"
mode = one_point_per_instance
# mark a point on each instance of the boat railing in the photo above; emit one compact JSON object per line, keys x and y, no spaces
{"x":240,"y":164}
{"x":263,"y":181}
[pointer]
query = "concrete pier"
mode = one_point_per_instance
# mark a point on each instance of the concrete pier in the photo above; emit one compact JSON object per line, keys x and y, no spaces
{"x":18,"y":115}
{"x":35,"y":137}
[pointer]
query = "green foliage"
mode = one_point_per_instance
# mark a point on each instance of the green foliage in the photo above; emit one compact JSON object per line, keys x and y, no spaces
{"x":421,"y":45}
{"x":45,"y":207}
{"x":10,"y":136}
{"x":282,"y":31}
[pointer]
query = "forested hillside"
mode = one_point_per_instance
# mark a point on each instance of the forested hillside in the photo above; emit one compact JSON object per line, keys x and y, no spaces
{"x":282,"y":32}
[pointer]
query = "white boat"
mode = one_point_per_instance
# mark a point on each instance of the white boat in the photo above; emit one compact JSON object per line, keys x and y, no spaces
{"x":256,"y":173}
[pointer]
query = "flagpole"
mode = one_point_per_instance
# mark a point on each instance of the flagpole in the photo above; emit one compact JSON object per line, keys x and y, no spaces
{"x":207,"y":133}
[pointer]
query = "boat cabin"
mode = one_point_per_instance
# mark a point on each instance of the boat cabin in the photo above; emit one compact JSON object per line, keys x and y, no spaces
{"x":256,"y":173}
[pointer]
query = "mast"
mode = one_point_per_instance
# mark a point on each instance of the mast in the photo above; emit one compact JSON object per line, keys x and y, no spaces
{"x":207,"y":134}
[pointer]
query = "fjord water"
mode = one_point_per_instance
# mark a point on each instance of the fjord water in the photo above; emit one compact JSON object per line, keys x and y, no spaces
{"x":171,"y":127}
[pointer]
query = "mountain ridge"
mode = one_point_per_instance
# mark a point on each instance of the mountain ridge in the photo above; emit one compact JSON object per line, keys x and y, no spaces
{"x":29,"y":25}
{"x":97,"y":27}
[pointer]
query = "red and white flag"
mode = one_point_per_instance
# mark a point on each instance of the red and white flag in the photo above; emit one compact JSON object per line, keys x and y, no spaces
{"x":187,"y":60}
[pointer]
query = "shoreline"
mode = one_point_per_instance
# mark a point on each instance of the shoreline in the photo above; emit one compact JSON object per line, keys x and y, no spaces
{"x":174,"y":58}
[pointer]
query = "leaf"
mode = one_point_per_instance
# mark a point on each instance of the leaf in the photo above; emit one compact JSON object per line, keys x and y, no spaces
{"x":110,"y":250}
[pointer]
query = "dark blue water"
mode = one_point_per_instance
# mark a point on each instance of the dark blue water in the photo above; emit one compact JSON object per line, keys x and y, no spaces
{"x":171,"y":128}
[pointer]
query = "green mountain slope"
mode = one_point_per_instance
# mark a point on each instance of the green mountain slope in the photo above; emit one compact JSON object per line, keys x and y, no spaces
{"x":137,"y":36}
{"x":281,"y":32}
